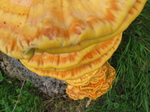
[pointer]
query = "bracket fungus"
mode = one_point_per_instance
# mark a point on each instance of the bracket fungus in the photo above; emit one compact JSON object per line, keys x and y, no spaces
{"x":67,"y":39}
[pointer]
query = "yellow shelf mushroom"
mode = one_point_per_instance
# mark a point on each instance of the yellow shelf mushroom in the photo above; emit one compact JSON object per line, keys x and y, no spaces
{"x":67,"y":39}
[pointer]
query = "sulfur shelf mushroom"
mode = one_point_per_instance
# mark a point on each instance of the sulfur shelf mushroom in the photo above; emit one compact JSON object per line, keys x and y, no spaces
{"x":97,"y":86}
{"x":61,"y":26}
{"x":86,"y":65}
{"x":88,"y":74}
{"x":65,"y":61}
{"x":67,"y":39}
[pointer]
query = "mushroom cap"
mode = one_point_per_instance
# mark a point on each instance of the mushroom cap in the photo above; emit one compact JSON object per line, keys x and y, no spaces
{"x":96,"y":86}
{"x":65,"y":61}
{"x":61,"y":26}
{"x":91,"y":62}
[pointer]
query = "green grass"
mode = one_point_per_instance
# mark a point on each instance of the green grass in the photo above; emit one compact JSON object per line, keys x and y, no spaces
{"x":18,"y":96}
{"x":130,"y":92}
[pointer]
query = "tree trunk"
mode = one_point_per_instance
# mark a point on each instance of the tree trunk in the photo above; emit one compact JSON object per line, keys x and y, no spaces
{"x":13,"y":68}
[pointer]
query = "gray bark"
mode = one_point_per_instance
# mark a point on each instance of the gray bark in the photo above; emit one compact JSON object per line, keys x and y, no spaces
{"x":13,"y":68}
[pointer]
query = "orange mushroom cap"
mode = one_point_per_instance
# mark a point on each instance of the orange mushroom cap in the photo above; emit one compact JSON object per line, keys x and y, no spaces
{"x":92,"y":78}
{"x":61,"y":26}
{"x":62,"y":62}
{"x":97,"y":86}
{"x":86,"y":65}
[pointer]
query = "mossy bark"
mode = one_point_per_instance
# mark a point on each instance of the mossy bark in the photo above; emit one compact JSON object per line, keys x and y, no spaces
{"x":14,"y":69}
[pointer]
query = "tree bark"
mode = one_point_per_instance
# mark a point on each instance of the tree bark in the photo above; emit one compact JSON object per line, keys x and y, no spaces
{"x":13,"y":68}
